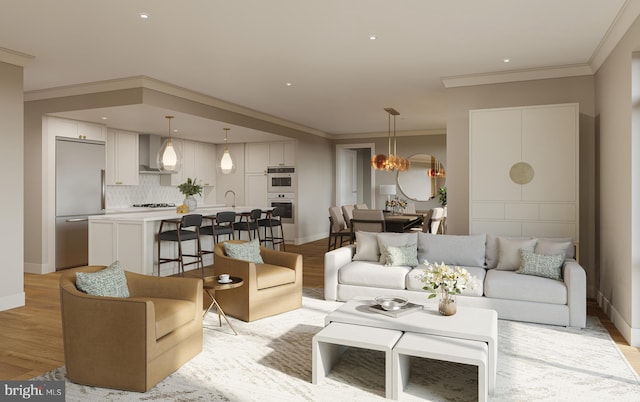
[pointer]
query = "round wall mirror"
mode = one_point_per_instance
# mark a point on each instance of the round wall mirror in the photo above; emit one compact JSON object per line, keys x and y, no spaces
{"x":423,"y":179}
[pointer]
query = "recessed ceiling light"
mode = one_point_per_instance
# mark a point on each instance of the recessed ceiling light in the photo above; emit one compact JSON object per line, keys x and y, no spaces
{"x":144,"y":16}
{"x":289,"y":84}
{"x":506,"y":60}
{"x":104,"y":117}
{"x":372,"y":37}
{"x":175,"y":130}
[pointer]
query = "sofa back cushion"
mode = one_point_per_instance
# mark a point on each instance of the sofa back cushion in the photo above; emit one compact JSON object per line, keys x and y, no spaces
{"x":468,"y":250}
{"x":544,"y":245}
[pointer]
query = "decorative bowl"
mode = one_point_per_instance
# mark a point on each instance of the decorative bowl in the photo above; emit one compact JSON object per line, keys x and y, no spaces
{"x":391,"y":303}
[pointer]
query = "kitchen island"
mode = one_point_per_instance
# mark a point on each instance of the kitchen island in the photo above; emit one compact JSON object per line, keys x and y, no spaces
{"x":131,"y":238}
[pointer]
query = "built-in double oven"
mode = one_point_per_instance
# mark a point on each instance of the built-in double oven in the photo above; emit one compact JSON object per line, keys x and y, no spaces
{"x":281,"y":188}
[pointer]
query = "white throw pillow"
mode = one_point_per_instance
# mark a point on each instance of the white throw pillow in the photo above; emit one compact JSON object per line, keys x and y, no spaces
{"x":395,"y":239}
{"x":509,"y":252}
{"x":554,"y":246}
{"x":366,"y":247}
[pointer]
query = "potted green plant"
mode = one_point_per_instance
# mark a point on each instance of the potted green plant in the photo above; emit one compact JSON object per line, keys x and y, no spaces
{"x":189,"y":189}
{"x":442,"y":196}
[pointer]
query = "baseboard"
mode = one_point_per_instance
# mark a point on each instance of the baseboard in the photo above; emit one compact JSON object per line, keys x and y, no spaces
{"x":309,"y":239}
{"x":32,"y":268}
{"x":12,"y":301}
{"x":630,"y":334}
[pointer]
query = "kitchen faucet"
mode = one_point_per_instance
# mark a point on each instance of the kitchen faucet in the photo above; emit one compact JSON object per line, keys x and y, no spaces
{"x":234,"y":197}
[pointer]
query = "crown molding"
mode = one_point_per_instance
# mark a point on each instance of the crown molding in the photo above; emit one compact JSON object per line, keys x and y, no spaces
{"x":385,"y":134}
{"x":517,"y":75}
{"x":14,"y":57}
{"x":626,"y":17}
{"x":164,"y":87}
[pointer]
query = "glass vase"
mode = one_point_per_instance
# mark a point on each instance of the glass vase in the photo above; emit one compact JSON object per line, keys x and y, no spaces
{"x":447,"y":305}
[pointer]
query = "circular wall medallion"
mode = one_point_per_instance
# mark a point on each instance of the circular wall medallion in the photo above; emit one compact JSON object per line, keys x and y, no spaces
{"x":521,"y":173}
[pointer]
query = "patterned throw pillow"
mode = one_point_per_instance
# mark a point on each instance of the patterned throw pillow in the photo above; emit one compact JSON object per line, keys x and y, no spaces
{"x":249,"y":251}
{"x":406,"y":256}
{"x":111,"y":281}
{"x":546,"y":266}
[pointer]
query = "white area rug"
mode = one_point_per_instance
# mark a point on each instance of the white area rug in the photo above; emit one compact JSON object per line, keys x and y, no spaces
{"x":271,"y":361}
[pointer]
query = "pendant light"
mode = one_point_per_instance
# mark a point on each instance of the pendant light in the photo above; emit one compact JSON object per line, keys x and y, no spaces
{"x":392,"y":161}
{"x":226,"y":164}
{"x":168,"y":157}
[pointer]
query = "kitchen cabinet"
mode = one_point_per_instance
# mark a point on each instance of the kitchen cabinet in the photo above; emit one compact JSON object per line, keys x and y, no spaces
{"x":198,"y":161}
{"x":122,"y":158}
{"x":282,"y":154}
{"x":528,"y":186}
{"x":76,"y":129}
{"x":255,"y":189}
{"x":256,"y":157}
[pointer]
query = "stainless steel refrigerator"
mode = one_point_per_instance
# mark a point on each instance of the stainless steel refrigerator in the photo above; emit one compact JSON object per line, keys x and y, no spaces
{"x":80,"y":192}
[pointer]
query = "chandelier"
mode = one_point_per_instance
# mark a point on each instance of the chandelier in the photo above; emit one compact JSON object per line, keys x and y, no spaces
{"x":392,"y":162}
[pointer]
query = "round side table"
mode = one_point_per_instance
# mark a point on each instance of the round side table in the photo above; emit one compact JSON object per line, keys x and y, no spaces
{"x":210,"y":286}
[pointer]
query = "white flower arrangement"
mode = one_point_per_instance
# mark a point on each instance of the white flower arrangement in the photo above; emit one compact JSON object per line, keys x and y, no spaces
{"x":449,"y":280}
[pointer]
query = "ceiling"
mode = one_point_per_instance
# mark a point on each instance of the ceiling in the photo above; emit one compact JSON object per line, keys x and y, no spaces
{"x":245,"y":52}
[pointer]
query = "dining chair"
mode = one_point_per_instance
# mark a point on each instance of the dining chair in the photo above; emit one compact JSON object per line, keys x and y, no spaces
{"x":360,"y":206}
{"x":436,"y":220}
{"x":337,"y":229}
{"x":367,"y":220}
{"x":347,"y":213}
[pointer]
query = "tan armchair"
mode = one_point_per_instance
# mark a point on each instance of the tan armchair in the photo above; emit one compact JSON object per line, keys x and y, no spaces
{"x":269,"y":289}
{"x":130,"y":343}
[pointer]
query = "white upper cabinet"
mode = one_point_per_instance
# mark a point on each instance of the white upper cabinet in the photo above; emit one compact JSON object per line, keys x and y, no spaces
{"x":122,"y":158}
{"x":282,"y":154}
{"x":205,"y":164}
{"x":256,"y":157}
{"x":523,"y":171}
{"x":76,"y":129}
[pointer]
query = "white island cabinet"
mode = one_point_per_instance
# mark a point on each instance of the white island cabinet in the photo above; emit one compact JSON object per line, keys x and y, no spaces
{"x":131,"y":239}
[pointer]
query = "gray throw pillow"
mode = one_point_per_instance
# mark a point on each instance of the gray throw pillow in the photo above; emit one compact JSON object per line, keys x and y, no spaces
{"x":110,"y":281}
{"x":406,"y":256}
{"x":509,"y":252}
{"x":546,"y":266}
{"x":249,"y":251}
{"x":366,"y":247}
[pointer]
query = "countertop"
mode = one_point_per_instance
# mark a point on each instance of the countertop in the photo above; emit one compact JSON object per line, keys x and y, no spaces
{"x":157,"y":214}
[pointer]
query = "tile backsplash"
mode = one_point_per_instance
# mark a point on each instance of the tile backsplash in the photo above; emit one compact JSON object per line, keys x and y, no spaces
{"x":149,"y":190}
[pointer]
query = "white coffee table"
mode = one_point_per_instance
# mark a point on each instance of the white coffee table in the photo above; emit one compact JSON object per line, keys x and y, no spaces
{"x":476,"y":324}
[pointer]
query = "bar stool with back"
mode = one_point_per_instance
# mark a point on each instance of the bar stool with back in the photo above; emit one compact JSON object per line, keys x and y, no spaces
{"x":249,"y":223}
{"x":272,"y":219}
{"x":221,"y":225}
{"x":187,"y":228}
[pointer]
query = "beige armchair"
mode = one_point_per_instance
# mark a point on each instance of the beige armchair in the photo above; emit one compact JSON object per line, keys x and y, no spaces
{"x":269,"y":289}
{"x":130,"y":343}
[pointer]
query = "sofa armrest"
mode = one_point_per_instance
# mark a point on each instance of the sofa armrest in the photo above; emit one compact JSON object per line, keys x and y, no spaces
{"x":575,"y":279}
{"x":281,"y":258}
{"x":333,"y":261}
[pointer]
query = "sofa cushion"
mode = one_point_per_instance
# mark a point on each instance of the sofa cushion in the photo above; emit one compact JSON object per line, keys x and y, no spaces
{"x":170,"y":313}
{"x":509,"y":252}
{"x":268,"y":276}
{"x":110,"y":281}
{"x":395,"y":239}
{"x":553,"y":246}
{"x":414,"y":282}
{"x":373,"y":274}
{"x":401,"y":255}
{"x":367,"y":247}
{"x":452,"y":250}
{"x":546,"y":266}
{"x":512,"y":286}
{"x":248,"y":251}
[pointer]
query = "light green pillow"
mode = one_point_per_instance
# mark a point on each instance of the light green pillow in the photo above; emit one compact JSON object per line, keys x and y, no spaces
{"x":546,"y":266}
{"x":249,"y":251}
{"x":401,"y":255}
{"x":110,"y":281}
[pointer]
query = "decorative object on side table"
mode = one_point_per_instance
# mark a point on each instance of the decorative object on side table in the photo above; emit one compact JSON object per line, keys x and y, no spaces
{"x":449,"y":281}
{"x":189,"y":189}
{"x":396,"y":205}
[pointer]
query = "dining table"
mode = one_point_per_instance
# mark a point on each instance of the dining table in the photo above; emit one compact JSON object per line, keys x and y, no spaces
{"x":403,"y":222}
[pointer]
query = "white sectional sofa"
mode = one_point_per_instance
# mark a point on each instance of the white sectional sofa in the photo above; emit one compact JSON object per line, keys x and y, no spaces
{"x":533,"y":296}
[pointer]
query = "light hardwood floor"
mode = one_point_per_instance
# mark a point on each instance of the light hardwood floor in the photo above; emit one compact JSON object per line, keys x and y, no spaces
{"x":32,"y":335}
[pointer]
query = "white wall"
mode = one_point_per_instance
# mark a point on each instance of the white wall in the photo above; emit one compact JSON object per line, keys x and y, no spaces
{"x":12,"y":183}
{"x":618,"y":139}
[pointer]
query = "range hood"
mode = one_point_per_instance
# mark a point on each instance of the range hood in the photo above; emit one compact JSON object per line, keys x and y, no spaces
{"x":148,"y":147}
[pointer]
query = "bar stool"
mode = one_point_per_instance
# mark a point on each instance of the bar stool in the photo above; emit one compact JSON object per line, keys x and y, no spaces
{"x":249,"y":223}
{"x":182,"y":232}
{"x":272,"y":219}
{"x":221,"y":225}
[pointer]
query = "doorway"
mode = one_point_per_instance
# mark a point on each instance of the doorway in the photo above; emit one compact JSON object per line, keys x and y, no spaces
{"x":355,"y":179}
